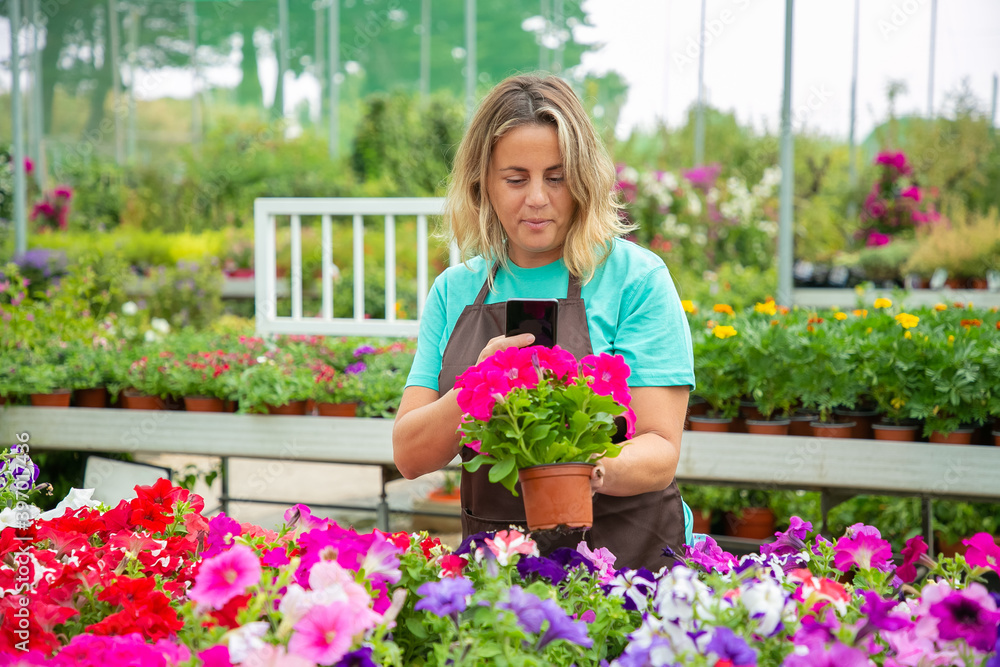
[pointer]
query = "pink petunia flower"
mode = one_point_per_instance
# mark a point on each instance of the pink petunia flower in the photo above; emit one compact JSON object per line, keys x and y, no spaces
{"x":983,"y":551}
{"x":325,"y":634}
{"x":479,"y":390}
{"x":515,"y":364}
{"x":610,"y":375}
{"x":912,"y":192}
{"x":912,"y":552}
{"x":601,"y":558}
{"x":864,"y":550}
{"x":509,"y":542}
{"x":270,"y":655}
{"x":224,"y":576}
{"x":876,"y":239}
{"x":557,"y":361}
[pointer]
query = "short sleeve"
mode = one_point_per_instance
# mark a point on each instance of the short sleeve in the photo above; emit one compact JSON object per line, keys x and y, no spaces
{"x":433,"y":321}
{"x":653,"y":334}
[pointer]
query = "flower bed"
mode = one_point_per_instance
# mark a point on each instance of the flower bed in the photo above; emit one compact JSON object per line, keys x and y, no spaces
{"x":154,"y":581}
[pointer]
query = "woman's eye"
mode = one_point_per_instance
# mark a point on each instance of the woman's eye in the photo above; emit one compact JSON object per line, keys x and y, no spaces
{"x":515,"y":181}
{"x":555,"y":179}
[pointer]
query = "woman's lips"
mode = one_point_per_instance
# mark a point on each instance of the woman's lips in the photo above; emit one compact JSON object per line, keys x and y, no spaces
{"x":536,"y":223}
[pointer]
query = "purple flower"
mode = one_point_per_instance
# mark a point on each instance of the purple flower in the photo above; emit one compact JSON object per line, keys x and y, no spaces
{"x":879,"y":613}
{"x":360,"y":658}
{"x":532,"y":613}
{"x":546,"y":568}
{"x":447,"y":597}
{"x":469,"y":544}
{"x":222,"y":532}
{"x":571,"y":559}
{"x":836,"y":655}
{"x":363,"y":350}
{"x":355,"y":368}
{"x":968,"y":614}
{"x":727,"y":645}
{"x":792,"y":541}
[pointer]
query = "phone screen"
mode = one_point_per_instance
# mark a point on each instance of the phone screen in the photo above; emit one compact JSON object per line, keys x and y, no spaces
{"x":534,"y":316}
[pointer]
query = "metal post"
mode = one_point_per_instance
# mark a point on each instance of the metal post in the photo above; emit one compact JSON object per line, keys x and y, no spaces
{"x":470,"y":58}
{"x":930,"y":68}
{"x":116,"y":80}
{"x":852,"y":150}
{"x":318,"y":42}
{"x":333,"y":74}
{"x":543,"y":53}
{"x":133,"y":66}
{"x":37,"y":112}
{"x":699,"y":119}
{"x":20,"y":186}
{"x":993,"y":105}
{"x":283,"y":45}
{"x":785,"y":231}
{"x":425,"y":47}
{"x":558,"y":21}
{"x":195,"y":73}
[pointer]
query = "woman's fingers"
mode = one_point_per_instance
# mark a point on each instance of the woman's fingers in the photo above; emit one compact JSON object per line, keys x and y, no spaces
{"x":597,"y":478}
{"x":502,"y":342}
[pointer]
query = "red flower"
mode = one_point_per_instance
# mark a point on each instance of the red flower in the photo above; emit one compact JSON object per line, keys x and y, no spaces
{"x":451,"y":565}
{"x":971,"y":323}
{"x":150,"y":516}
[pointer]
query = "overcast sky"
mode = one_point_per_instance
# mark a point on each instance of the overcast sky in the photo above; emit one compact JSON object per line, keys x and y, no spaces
{"x":653,"y":43}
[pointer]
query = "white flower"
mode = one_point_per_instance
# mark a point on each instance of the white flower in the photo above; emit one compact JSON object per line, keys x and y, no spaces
{"x":150,"y":336}
{"x":245,"y":639}
{"x":680,"y":595}
{"x":669,"y":180}
{"x":712,"y":196}
{"x":765,"y":600}
{"x":160,"y":325}
{"x":629,"y":175}
{"x":74,"y":500}
{"x":11,"y":518}
{"x":694,"y":204}
{"x":699,"y":238}
{"x":129,"y":308}
{"x":627,"y":583}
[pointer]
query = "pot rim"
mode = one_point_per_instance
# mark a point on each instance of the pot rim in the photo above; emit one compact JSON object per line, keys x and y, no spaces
{"x":710,"y":420}
{"x":819,"y":424}
{"x":895,"y":427}
{"x":772,"y":422}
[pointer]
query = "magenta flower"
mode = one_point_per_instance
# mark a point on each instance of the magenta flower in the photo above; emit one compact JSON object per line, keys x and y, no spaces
{"x":864,"y":550}
{"x":515,"y":363}
{"x":223,"y":577}
{"x":29,"y":166}
{"x":300,"y":516}
{"x":790,"y":542}
{"x":912,"y":192}
{"x":381,"y":561}
{"x":557,"y":361}
{"x":982,"y":551}
{"x":709,"y":555}
{"x":602,"y":559}
{"x":895,"y":161}
{"x":325,"y":634}
{"x":835,"y":655}
{"x":703,"y":177}
{"x":970,"y":614}
{"x":479,"y":388}
{"x":880,"y":613}
{"x":222,"y":532}
{"x":63,"y":192}
{"x":610,"y":375}
{"x":912,"y":552}
{"x":876,"y":239}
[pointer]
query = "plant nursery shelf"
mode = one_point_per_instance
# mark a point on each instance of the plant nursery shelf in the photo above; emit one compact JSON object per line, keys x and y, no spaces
{"x":837,"y":468}
{"x":821,"y":297}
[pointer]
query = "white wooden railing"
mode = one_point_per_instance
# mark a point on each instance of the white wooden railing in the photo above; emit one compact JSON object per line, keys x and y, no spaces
{"x":266,"y":214}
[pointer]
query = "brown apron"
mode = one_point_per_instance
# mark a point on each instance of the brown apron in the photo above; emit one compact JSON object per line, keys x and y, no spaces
{"x":634,"y":528}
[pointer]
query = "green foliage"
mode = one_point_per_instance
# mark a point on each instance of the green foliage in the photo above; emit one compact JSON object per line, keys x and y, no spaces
{"x":275,"y":381}
{"x":188,"y":294}
{"x":718,"y":368}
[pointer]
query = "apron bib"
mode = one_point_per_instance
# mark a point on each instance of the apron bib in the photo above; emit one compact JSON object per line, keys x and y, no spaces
{"x":634,"y":528}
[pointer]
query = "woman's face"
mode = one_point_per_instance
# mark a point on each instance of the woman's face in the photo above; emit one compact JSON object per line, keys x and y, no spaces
{"x":527,"y":188}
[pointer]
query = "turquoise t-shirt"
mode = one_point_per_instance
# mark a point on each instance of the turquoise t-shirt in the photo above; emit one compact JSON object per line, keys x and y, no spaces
{"x":632,"y":310}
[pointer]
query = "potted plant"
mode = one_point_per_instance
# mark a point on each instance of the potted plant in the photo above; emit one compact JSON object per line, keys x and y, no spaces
{"x":89,"y":367}
{"x":892,"y":371}
{"x":206,"y":380}
{"x":719,"y":370}
{"x":705,"y":500}
{"x":337,"y":394}
{"x":141,"y":378}
{"x":538,"y":416}
{"x":771,"y":353}
{"x":750,"y":515}
{"x":828,"y":376}
{"x":274,"y":387}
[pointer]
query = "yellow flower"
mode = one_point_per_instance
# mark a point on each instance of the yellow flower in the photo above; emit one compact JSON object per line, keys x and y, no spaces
{"x":722,"y":331}
{"x":940,"y":306}
{"x":882,"y":302}
{"x":840,"y":316}
{"x":951,"y":339}
{"x":723,"y":308}
{"x":861,"y":312}
{"x":897,"y":403}
{"x":907,"y":335}
{"x":688,"y":306}
{"x":907,"y":321}
{"x":868,"y":330}
{"x":768,"y":307}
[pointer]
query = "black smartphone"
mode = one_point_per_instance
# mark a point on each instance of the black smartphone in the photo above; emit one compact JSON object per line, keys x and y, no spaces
{"x":534,"y":316}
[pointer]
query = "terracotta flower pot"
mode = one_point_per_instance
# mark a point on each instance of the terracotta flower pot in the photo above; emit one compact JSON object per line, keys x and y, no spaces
{"x":863,"y":420}
{"x":557,"y":494}
{"x":337,"y":409}
{"x":702,"y":521}
{"x":293,"y":408}
{"x":996,"y":438}
{"x":133,"y":400}
{"x":833,"y":429}
{"x":800,"y":423}
{"x":203,"y":404}
{"x":229,"y":406}
{"x":712,"y":424}
{"x":895,"y":432}
{"x":960,"y":436}
{"x":57,"y":399}
{"x":768,"y":426}
{"x":95,"y":397}
{"x":750,"y":411}
{"x":754,"y":523}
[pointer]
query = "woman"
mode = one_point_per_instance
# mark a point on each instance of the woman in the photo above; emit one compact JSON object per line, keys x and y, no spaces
{"x":531,"y":205}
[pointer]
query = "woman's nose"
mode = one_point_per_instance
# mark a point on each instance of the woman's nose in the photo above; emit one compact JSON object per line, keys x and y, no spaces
{"x":536,"y":196}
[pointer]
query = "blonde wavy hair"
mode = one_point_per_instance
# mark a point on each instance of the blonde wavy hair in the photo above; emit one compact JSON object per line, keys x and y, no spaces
{"x":531,"y":99}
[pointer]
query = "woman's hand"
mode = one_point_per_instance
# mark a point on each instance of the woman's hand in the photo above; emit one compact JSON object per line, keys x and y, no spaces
{"x":596,"y":478}
{"x":503,"y":342}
